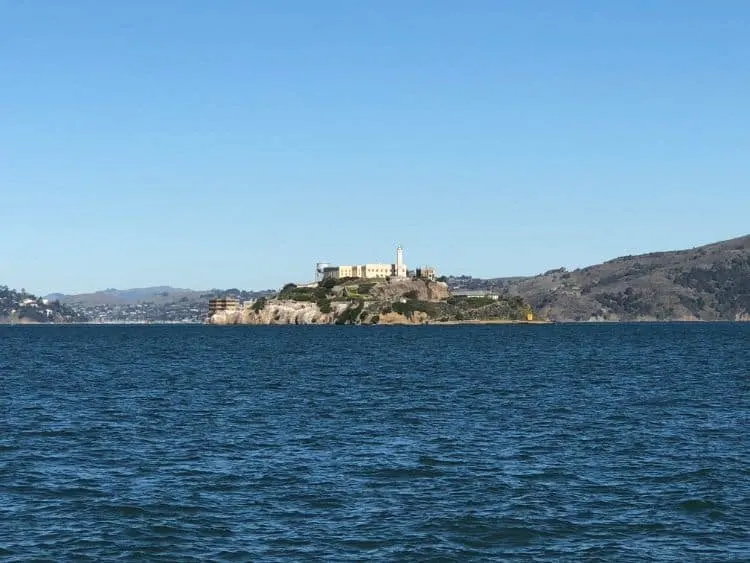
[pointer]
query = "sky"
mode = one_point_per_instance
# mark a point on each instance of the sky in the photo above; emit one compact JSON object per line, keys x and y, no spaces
{"x":236,"y":143}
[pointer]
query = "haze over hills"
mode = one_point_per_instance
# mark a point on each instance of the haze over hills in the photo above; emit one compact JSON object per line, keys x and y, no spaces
{"x":111,"y":296}
{"x":156,"y":294}
{"x":710,"y":282}
{"x":149,"y":304}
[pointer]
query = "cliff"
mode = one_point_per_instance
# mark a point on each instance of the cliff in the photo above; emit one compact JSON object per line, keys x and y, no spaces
{"x":283,"y":312}
{"x":421,"y":290}
{"x":304,"y":313}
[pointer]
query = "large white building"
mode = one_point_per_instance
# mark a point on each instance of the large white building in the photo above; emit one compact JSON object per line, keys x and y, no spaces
{"x":396,"y":270}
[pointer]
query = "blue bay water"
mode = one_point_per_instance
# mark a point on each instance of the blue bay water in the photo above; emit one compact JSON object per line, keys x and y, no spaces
{"x":562,"y":442}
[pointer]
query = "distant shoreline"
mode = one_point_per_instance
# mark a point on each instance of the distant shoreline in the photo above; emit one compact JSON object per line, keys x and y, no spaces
{"x":490,"y":322}
{"x":432,"y":323}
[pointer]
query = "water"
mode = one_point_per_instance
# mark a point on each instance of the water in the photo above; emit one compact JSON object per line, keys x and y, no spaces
{"x":564,"y":442}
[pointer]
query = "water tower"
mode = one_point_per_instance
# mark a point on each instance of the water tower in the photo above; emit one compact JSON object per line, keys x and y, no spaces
{"x":319,"y":269}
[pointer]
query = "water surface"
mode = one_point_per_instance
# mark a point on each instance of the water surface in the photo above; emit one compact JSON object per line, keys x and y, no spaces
{"x":564,"y":442}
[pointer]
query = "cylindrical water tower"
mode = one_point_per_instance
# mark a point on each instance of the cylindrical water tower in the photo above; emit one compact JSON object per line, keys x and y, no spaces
{"x":319,"y":269}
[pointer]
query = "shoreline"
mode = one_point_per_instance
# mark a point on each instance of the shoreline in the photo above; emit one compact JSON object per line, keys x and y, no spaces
{"x":430,"y":323}
{"x":490,"y":322}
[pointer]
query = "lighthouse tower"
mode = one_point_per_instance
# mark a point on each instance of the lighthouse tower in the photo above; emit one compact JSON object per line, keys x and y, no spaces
{"x":400,"y":267}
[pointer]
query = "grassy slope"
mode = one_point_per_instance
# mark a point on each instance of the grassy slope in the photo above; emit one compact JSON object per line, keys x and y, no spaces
{"x":710,"y":282}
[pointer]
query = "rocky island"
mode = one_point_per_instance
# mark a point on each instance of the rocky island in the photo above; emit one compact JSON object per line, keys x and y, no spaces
{"x":370,"y":302}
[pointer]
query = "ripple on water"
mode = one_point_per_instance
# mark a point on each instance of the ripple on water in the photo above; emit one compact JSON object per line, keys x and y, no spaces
{"x":549,"y":443}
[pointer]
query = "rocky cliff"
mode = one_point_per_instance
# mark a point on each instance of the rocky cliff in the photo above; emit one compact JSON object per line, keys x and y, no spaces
{"x":413,"y":289}
{"x":279,"y":312}
{"x":284,"y":312}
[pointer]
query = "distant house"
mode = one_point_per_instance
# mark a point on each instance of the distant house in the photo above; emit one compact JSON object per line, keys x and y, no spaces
{"x":425,"y":273}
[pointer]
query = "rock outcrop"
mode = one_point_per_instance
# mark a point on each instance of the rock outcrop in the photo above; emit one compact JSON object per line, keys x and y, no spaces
{"x":305,"y":313}
{"x":279,"y":312}
{"x":422,"y":290}
{"x":417,"y":318}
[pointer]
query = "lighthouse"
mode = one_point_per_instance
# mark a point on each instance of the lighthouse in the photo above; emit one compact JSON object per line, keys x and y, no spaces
{"x":400,"y":267}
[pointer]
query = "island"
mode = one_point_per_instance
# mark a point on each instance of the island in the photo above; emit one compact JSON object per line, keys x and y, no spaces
{"x":362,"y":301}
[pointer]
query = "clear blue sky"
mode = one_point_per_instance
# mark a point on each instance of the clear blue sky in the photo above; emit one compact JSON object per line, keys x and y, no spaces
{"x":235,"y":143}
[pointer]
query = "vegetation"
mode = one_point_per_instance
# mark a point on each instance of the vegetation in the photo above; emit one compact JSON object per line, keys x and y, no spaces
{"x":330,"y":283}
{"x":411,"y":306}
{"x":260,"y":304}
{"x":294,"y":293}
{"x":463,"y":302}
{"x":20,"y":306}
{"x":368,"y":306}
{"x":365,"y":288}
{"x":711,"y":282}
{"x":351,"y":314}
{"x":324,"y":305}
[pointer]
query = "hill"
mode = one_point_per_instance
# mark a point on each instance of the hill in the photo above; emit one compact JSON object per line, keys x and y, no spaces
{"x":22,"y":307}
{"x":710,"y":282}
{"x":148,"y":304}
{"x":158,"y":294}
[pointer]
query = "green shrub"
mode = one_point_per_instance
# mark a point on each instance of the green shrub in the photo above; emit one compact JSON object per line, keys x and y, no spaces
{"x":365,"y":288}
{"x":402,"y":308}
{"x":470,"y":302}
{"x":410,"y":307}
{"x":295,"y":293}
{"x":351,"y":314}
{"x":259,"y":305}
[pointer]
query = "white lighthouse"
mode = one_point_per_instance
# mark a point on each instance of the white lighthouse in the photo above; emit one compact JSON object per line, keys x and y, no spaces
{"x":399,"y":266}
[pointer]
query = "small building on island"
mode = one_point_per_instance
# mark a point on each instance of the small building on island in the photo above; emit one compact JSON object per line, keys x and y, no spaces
{"x":425,"y":273}
{"x":223,"y":304}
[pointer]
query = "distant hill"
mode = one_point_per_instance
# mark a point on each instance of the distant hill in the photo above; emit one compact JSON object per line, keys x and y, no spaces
{"x":158,"y":294}
{"x":710,"y":282}
{"x":149,"y":304}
